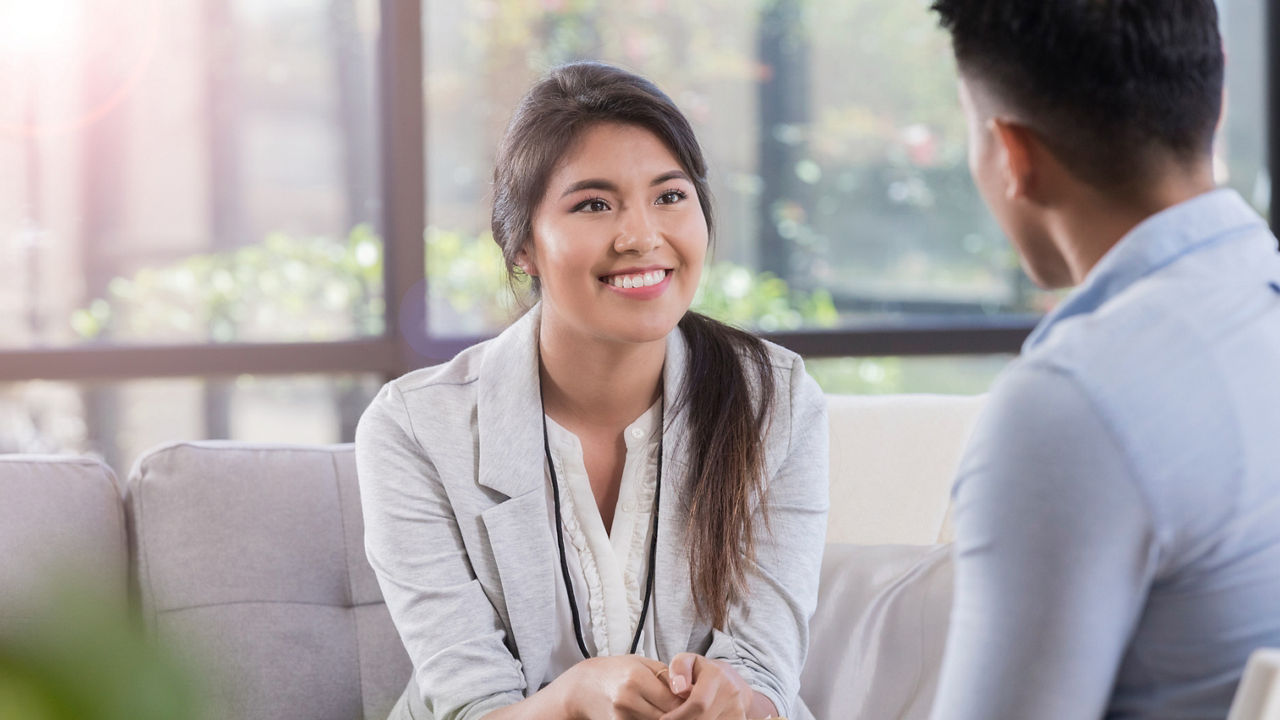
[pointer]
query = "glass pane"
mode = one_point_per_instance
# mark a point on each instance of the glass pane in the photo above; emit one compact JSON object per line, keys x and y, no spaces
{"x":120,"y":421}
{"x":1242,"y":140}
{"x":834,"y":135}
{"x":196,"y":170}
{"x":944,"y":374}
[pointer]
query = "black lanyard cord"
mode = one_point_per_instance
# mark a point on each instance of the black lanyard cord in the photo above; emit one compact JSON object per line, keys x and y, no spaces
{"x":564,"y":559}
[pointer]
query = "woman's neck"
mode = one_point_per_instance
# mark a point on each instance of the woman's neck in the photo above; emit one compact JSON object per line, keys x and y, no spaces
{"x":596,"y":383}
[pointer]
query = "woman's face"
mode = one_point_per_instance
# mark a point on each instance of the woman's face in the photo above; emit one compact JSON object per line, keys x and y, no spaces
{"x":618,"y":239}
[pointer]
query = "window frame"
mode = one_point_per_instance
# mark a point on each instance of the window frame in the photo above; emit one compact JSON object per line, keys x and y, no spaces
{"x":402,"y":165}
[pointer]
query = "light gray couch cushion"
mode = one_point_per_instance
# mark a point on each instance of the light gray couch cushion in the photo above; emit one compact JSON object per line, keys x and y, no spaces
{"x":61,"y":521}
{"x":879,"y":631}
{"x":251,"y":559}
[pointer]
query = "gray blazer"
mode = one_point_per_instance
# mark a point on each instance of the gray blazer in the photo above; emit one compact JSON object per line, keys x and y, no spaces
{"x":450,"y":460}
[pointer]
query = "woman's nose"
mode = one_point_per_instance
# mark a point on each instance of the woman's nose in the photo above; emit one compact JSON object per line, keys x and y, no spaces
{"x":638,"y":234}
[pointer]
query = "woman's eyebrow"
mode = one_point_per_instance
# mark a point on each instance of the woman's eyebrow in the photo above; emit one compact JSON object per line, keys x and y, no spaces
{"x":608,"y":186}
{"x":669,"y":176}
{"x":592,"y":184}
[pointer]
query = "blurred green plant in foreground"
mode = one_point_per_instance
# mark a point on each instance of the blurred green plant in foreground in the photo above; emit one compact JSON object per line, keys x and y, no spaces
{"x":79,"y":660}
{"x":309,"y":289}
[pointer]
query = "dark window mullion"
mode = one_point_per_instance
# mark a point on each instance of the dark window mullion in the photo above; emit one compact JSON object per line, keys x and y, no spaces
{"x":403,"y":160}
{"x":137,"y":362}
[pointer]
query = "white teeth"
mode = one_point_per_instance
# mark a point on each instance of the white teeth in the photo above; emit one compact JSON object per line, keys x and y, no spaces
{"x":637,"y":281}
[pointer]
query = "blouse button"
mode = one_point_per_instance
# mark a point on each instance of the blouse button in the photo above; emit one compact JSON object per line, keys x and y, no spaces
{"x":637,"y":433}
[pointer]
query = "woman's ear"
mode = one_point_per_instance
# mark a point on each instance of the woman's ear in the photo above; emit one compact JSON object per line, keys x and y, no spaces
{"x":525,"y":261}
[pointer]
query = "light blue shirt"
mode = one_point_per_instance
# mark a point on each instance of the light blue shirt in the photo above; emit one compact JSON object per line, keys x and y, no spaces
{"x":1118,"y":509}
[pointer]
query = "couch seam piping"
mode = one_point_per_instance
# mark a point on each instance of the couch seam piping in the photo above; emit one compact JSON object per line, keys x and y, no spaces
{"x":118,"y":490}
{"x":351,"y":593}
{"x":229,"y":603}
{"x":144,"y":551}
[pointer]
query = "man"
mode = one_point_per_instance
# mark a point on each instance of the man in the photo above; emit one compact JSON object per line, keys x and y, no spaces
{"x":1118,"y":509}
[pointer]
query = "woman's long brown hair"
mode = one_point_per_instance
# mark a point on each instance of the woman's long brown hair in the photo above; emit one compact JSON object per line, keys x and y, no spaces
{"x":727,"y":419}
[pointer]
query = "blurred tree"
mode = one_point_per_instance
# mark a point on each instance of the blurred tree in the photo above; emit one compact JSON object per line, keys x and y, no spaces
{"x":786,"y":200}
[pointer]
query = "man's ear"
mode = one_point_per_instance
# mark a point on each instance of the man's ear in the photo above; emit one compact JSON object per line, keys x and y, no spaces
{"x":1018,"y":148}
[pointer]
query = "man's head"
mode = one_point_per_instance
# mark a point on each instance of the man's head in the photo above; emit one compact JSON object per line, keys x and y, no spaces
{"x":1112,"y":94}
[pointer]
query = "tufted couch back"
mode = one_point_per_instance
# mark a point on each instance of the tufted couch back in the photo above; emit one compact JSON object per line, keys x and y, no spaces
{"x":251,"y":558}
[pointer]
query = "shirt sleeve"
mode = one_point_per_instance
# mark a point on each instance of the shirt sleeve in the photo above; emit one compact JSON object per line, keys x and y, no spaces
{"x":1055,"y":549}
{"x":451,"y":631}
{"x":766,"y":634}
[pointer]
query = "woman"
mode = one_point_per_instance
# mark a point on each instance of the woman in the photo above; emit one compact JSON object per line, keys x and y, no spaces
{"x":613,"y":484}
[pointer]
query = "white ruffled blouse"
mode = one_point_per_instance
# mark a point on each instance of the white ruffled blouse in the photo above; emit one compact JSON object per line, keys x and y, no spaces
{"x":608,"y":569}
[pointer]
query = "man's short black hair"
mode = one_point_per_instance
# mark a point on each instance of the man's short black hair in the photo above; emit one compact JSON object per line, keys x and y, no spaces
{"x":1107,"y":84}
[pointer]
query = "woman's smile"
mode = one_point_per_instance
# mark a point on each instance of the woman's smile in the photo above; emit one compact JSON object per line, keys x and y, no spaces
{"x":639,"y":283}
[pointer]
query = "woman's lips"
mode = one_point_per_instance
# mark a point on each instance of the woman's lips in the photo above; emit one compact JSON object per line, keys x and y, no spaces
{"x":639,"y":285}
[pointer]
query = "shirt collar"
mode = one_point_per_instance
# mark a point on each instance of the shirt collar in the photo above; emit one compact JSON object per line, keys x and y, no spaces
{"x":639,"y":433}
{"x":1155,"y":243}
{"x":642,"y":431}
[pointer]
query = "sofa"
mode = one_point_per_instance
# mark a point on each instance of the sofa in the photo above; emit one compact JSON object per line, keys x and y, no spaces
{"x":248,"y":559}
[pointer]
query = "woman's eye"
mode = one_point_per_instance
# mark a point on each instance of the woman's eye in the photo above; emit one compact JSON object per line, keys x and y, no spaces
{"x":671,"y":197}
{"x":594,"y":205}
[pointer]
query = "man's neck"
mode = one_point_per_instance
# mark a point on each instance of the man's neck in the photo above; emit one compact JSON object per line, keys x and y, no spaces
{"x":596,"y":383}
{"x":1095,"y":221}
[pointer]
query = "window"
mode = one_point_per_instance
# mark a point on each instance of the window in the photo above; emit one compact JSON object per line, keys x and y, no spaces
{"x":832,"y":129}
{"x":187,"y":172}
{"x":836,"y":143}
{"x":207,"y":206}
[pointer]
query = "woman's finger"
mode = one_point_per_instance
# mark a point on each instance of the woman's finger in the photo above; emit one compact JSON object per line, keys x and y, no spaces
{"x":682,"y":673}
{"x":653,"y":696}
{"x":637,"y":707}
{"x":701,"y":700}
{"x":657,"y":695}
{"x":658,"y":698}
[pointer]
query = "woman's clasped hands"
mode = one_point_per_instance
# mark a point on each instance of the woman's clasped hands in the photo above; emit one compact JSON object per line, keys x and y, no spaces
{"x":632,"y":687}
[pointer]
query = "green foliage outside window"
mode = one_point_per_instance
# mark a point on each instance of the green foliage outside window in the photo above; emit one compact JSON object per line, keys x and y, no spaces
{"x":313,"y":289}
{"x":283,"y":289}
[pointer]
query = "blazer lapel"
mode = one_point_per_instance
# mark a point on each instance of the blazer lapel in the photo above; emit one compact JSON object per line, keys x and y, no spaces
{"x":673,"y":608}
{"x":507,"y":404}
{"x":511,"y":462}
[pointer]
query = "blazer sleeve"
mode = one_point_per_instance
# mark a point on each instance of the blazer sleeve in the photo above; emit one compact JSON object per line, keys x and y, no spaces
{"x":766,"y":634}
{"x":454,"y":636}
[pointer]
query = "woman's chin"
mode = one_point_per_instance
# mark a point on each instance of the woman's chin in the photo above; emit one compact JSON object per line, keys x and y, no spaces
{"x":641,"y":328}
{"x":640,"y":335}
{"x":632,"y":323}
